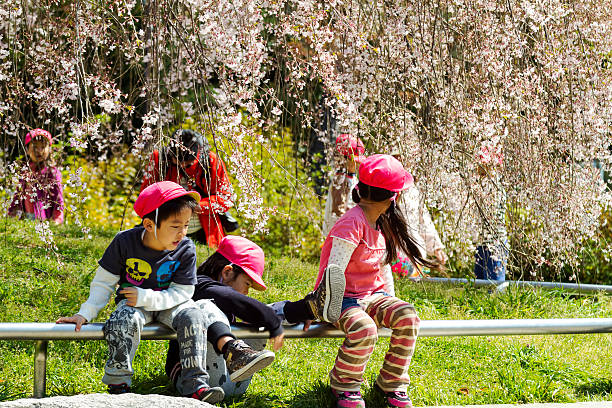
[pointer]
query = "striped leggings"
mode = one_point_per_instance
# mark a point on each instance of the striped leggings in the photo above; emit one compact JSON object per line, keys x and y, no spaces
{"x":360,"y":323}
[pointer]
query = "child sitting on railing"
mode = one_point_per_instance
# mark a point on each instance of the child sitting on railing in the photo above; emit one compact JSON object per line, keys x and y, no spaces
{"x":155,"y":267}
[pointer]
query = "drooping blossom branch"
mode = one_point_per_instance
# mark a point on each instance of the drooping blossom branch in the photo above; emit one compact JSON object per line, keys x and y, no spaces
{"x":450,"y":85}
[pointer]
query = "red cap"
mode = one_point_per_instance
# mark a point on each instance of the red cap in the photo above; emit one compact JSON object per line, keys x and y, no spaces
{"x":35,"y":133}
{"x":384,"y":171}
{"x":152,"y":197}
{"x":247,"y":255}
{"x":349,"y":145}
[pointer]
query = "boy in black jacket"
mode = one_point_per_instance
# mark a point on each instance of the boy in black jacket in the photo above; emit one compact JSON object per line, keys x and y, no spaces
{"x":224,"y":280}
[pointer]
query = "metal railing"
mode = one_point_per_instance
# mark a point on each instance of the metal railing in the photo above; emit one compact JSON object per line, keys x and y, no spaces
{"x":577,"y":287}
{"x":42,"y":333}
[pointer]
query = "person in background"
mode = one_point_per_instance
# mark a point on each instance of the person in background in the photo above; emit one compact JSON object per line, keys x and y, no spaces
{"x":188,"y":161}
{"x":154,"y":267}
{"x":491,"y":257}
{"x":40,"y":194}
{"x":348,"y":154}
{"x":421,"y":227}
{"x":224,"y":280}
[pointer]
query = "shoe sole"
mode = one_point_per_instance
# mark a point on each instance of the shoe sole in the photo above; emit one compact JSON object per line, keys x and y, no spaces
{"x":334,"y":292}
{"x":214,"y":396}
{"x":248,"y":370}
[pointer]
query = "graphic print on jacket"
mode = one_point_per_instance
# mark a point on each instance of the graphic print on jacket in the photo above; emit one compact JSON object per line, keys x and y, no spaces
{"x":140,"y":266}
{"x":138,"y":271}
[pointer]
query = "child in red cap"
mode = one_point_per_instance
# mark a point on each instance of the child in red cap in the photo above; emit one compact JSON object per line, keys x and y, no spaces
{"x":154,"y":266}
{"x":412,"y":205}
{"x":224,"y":280}
{"x":348,"y":155}
{"x":362,"y":243}
{"x":189,"y":162}
{"x":40,"y":194}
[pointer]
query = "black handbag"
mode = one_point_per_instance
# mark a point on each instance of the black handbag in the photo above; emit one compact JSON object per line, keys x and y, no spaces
{"x":228,"y":222}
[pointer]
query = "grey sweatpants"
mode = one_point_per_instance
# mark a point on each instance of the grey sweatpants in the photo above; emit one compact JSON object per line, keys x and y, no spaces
{"x":218,"y":375}
{"x":122,"y":332}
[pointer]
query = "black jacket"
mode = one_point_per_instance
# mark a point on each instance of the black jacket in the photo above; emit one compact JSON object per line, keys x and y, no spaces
{"x":236,"y":305}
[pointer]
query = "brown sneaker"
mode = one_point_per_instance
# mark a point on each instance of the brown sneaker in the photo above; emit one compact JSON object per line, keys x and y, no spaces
{"x":325,"y":302}
{"x":242,"y":361}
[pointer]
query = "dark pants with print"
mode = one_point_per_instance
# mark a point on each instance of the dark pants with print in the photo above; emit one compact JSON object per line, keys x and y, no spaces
{"x":122,"y":332}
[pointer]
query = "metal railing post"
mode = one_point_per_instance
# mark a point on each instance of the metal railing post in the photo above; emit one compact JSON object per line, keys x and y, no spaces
{"x":40,"y":368}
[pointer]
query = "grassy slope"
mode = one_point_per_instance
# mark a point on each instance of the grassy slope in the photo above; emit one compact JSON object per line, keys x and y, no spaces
{"x":40,"y":285}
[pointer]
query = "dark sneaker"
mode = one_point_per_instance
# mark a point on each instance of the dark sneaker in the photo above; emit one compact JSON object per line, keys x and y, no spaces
{"x":396,"y":398}
{"x":348,"y":399}
{"x":325,"y":302}
{"x":122,"y":388}
{"x":242,"y":361}
{"x":210,"y":395}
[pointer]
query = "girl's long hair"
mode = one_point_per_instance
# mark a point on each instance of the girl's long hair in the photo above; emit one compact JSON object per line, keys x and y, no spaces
{"x":393,"y":227}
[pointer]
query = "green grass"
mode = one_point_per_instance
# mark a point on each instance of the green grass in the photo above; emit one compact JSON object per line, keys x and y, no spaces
{"x":39,"y":285}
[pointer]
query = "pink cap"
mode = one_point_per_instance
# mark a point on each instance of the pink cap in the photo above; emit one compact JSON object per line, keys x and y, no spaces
{"x":247,"y":255}
{"x":34,"y":133}
{"x":152,"y":197}
{"x":349,"y":145}
{"x":384,"y":171}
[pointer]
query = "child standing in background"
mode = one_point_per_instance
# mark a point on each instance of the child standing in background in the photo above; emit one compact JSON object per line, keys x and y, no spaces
{"x":348,"y":155}
{"x":421,"y":227}
{"x":492,"y":248}
{"x":40,"y":194}
{"x":155,"y":267}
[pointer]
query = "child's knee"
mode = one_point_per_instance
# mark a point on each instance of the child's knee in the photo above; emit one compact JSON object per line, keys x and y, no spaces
{"x":406,"y":316}
{"x":189,"y":321}
{"x":362,"y":329}
{"x":211,"y":312}
{"x":123,"y":322}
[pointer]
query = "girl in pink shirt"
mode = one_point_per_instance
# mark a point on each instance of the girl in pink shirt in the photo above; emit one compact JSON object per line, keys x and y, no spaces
{"x":353,"y":289}
{"x":363,"y":243}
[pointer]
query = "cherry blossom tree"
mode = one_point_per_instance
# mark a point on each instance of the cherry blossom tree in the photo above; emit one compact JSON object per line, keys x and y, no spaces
{"x":446,"y":83}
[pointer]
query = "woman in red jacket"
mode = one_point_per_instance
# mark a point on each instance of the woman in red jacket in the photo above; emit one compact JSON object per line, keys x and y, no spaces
{"x":189,"y":162}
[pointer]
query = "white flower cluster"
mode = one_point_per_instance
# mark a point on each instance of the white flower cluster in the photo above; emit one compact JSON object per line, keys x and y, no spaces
{"x":517,"y":92}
